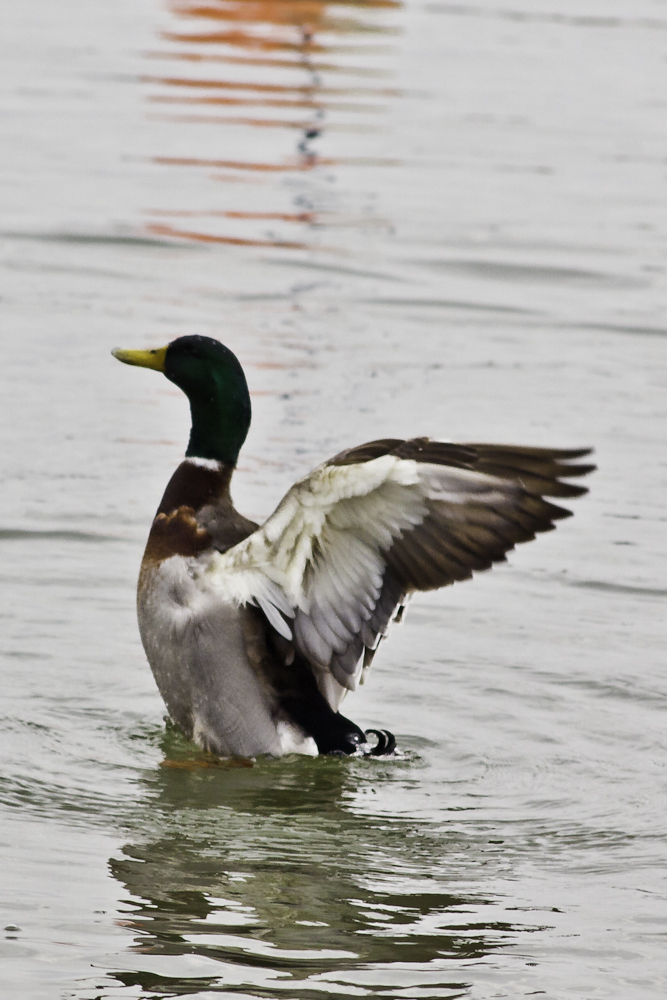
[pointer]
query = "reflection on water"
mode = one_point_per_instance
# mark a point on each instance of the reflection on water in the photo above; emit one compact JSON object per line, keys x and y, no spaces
{"x":271,"y":56}
{"x":269,"y":877}
{"x":504,"y":282}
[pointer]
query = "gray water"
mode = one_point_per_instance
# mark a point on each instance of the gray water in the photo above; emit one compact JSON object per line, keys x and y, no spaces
{"x":405,"y":218}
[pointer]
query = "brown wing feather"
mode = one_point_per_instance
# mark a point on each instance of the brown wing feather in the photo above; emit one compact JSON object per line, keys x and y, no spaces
{"x":538,"y":469}
{"x":466,"y":507}
{"x":440,"y":550}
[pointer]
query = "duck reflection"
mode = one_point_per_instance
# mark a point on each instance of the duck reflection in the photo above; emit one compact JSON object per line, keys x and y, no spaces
{"x":277,"y":55}
{"x":266,"y":876}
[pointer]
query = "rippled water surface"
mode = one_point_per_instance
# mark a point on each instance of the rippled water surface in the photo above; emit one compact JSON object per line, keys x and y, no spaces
{"x":405,"y":218}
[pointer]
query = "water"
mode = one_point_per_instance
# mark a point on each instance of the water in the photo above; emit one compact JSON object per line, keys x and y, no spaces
{"x":441,"y":218}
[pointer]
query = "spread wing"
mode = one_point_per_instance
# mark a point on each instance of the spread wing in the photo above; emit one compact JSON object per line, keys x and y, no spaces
{"x":335,"y":562}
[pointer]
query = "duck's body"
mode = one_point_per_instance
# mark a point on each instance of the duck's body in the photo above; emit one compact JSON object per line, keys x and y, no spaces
{"x":255,"y":634}
{"x":209,"y":655}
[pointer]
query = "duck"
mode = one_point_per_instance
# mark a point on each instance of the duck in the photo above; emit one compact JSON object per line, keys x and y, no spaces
{"x":255,"y":633}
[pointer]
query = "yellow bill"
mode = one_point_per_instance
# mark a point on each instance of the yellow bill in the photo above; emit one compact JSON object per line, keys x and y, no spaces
{"x":144,"y":359}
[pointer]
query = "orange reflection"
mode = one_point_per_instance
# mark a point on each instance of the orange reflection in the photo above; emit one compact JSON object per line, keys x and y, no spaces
{"x":298,"y":13}
{"x":267,"y":102}
{"x":243,"y":40}
{"x":319,"y":67}
{"x":237,"y":241}
{"x":269,"y":54}
{"x":268,"y":88}
{"x":186,"y":161}
{"x":220,"y":120}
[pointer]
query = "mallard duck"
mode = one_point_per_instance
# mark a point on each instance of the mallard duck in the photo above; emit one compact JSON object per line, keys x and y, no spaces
{"x":256,"y":633}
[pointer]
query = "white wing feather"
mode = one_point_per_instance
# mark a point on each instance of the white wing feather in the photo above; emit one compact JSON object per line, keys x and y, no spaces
{"x":318,"y":559}
{"x":351,"y":540}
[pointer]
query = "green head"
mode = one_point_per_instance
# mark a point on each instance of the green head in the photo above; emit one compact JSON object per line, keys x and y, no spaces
{"x":213,"y":380}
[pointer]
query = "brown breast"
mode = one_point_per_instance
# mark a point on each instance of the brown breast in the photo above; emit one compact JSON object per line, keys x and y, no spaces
{"x":196,"y":513}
